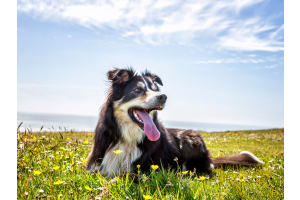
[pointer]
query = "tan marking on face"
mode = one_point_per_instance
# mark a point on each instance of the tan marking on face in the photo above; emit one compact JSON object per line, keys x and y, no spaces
{"x":153,"y":87}
{"x":140,"y":84}
{"x":149,"y":96}
{"x":131,"y":132}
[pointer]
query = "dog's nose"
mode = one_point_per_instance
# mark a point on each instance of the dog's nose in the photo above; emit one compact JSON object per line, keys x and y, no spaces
{"x":162,"y":98}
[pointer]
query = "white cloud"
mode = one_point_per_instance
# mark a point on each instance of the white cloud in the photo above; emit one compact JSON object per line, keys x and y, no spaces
{"x":166,"y":22}
{"x":231,"y":60}
{"x":270,"y":67}
{"x":27,"y":86}
{"x":245,"y":36}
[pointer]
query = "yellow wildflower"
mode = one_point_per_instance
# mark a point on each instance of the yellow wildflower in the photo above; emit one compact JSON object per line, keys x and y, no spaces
{"x":155,"y":167}
{"x":56,"y":167}
{"x":118,"y":152}
{"x":68,"y":138}
{"x":87,"y":188}
{"x":185,"y":172}
{"x":58,"y":182}
{"x":242,"y":180}
{"x":37,"y":172}
{"x":202,"y":178}
{"x":147,"y":197}
{"x":61,"y":147}
{"x":86,"y":142}
{"x":84,"y":160}
{"x":138,"y":166}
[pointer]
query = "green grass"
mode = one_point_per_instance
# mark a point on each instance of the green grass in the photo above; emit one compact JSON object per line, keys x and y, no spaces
{"x":43,"y":151}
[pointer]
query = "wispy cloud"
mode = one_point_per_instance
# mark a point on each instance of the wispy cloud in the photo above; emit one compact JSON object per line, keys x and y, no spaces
{"x":246,"y":36}
{"x":28,"y":86}
{"x":270,"y":66}
{"x":231,"y":60}
{"x":266,"y":67}
{"x":167,"y":22}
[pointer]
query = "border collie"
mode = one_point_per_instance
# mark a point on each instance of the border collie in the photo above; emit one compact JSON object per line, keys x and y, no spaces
{"x":128,"y":122}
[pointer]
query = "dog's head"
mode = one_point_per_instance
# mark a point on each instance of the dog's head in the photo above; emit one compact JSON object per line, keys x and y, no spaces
{"x":136,"y":99}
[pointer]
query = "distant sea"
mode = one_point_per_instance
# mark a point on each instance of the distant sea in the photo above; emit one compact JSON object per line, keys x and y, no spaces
{"x":59,"y":122}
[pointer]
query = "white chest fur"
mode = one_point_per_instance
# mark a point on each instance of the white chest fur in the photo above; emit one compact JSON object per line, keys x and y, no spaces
{"x":112,"y":162}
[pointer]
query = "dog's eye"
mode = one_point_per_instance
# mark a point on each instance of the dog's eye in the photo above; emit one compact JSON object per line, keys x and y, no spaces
{"x":138,"y":90}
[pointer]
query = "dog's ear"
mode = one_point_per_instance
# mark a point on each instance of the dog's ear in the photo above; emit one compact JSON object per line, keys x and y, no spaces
{"x":120,"y":75}
{"x":154,"y":77}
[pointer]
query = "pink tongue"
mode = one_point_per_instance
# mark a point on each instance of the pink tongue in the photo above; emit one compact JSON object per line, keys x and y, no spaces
{"x":149,"y":127}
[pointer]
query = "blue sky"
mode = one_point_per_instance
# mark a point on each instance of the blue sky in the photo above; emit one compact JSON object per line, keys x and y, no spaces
{"x":220,"y":62}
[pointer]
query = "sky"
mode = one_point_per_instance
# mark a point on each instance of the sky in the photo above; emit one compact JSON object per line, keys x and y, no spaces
{"x":219,"y":61}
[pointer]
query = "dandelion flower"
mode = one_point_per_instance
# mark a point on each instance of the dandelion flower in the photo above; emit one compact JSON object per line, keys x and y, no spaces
{"x":138,"y":166}
{"x":155,"y":167}
{"x":84,"y":160}
{"x":202,"y":178}
{"x":68,"y":138}
{"x":242,"y":180}
{"x":185,"y":172}
{"x":37,"y":172}
{"x":118,"y":152}
{"x":87,"y":188}
{"x":58,"y":182}
{"x":147,"y":197}
{"x":86,"y":142}
{"x":56,"y":167}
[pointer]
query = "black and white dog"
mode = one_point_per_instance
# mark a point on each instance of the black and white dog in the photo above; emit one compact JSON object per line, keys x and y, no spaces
{"x":128,"y":122}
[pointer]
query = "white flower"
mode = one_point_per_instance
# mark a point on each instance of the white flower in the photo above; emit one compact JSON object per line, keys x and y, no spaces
{"x":41,"y":191}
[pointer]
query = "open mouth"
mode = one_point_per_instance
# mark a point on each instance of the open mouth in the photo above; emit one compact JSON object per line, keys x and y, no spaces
{"x":142,"y":118}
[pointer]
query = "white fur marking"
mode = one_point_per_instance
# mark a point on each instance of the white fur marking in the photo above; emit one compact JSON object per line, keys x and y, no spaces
{"x":145,"y":83}
{"x":212,"y":166}
{"x":184,"y":167}
{"x":111,"y":162}
{"x":253,"y":156}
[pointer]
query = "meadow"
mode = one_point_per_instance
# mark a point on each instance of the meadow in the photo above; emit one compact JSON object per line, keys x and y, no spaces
{"x":51,"y":165}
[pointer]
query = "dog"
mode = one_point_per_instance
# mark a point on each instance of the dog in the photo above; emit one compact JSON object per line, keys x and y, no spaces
{"x":128,"y":122}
